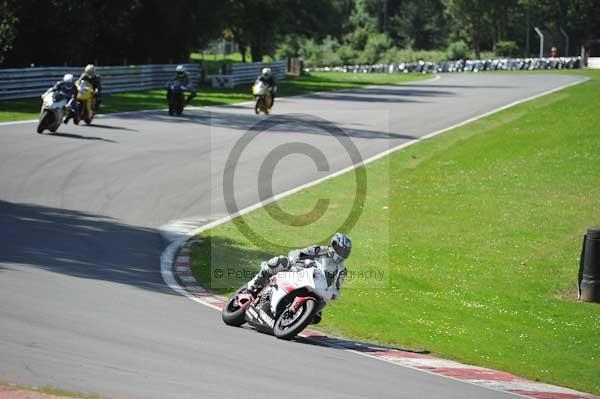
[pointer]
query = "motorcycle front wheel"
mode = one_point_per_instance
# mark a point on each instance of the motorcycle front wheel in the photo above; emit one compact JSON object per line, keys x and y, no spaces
{"x":258,"y":105}
{"x":44,"y":121}
{"x":179,"y":104}
{"x":288,"y":324}
{"x":232,"y":314}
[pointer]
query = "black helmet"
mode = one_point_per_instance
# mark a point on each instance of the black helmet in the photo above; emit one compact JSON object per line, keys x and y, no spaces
{"x":341,"y":245}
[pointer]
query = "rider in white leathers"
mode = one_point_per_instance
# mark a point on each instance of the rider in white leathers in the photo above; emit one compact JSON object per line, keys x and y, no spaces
{"x":333,"y":256}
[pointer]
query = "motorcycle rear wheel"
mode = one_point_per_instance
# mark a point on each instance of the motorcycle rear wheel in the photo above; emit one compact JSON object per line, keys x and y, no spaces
{"x":288,"y":331}
{"x":233,"y":315}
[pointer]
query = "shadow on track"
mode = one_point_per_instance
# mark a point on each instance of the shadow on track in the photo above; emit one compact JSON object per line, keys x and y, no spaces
{"x":100,"y":126}
{"x":383,"y":94}
{"x":80,"y":244}
{"x":363,"y":347}
{"x":442,"y":86}
{"x":80,"y":137}
{"x":285,"y":123}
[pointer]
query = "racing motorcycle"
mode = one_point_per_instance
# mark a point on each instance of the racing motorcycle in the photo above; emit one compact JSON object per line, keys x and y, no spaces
{"x":262,"y":97}
{"x":176,"y":96}
{"x":288,"y":303}
{"x":85,"y":102}
{"x":54,"y":106}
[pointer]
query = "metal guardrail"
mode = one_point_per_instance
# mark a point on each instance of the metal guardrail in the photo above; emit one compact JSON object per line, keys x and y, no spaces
{"x":31,"y":82}
{"x":461,"y":66}
{"x":247,"y":73}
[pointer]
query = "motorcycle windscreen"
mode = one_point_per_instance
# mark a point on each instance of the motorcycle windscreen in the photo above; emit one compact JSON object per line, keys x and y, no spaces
{"x":329,"y":268}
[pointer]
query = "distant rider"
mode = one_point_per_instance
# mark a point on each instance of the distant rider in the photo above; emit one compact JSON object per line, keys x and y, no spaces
{"x":67,"y":87}
{"x":89,"y":75}
{"x":268,"y":78}
{"x":182,"y":76}
{"x":338,"y":250}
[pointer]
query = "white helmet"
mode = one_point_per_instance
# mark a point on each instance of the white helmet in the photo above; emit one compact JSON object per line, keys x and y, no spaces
{"x":68,"y":79}
{"x":266,"y":71}
{"x":180,"y":69}
{"x":90,"y":70}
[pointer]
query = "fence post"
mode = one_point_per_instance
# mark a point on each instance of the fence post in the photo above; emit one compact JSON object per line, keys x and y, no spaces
{"x":566,"y":41}
{"x":541,"y":35}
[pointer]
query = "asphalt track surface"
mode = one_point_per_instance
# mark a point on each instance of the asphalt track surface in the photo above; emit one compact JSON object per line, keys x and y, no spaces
{"x":82,"y":303}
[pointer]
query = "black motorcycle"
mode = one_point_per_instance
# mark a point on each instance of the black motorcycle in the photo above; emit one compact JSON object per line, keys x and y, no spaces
{"x":176,"y":97}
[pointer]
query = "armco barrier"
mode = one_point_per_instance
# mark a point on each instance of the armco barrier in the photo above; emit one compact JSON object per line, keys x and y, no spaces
{"x":31,"y":82}
{"x":461,"y":66}
{"x":248,"y":72}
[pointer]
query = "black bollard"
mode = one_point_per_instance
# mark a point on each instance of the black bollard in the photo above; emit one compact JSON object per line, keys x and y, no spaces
{"x":589,"y":267}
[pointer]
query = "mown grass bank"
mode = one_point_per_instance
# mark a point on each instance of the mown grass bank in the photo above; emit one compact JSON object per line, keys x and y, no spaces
{"x":8,"y":390}
{"x":29,"y":108}
{"x":479,"y":234}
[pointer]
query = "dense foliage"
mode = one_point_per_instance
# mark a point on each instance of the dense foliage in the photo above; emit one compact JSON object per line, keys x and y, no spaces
{"x":56,"y":32}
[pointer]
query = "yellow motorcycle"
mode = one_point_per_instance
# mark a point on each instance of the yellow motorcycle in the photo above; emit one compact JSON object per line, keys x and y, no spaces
{"x":262,"y":97}
{"x":85,"y":102}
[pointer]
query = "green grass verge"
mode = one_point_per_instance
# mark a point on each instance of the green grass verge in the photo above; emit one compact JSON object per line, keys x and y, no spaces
{"x":29,"y":108}
{"x":479,"y":233}
{"x":48,"y":390}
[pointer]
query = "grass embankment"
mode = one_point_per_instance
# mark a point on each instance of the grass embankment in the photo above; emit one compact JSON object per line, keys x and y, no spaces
{"x":8,"y":390}
{"x":479,"y":233}
{"x":29,"y":108}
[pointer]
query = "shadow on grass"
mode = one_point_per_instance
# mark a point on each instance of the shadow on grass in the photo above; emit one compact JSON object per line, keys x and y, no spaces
{"x":222,"y":264}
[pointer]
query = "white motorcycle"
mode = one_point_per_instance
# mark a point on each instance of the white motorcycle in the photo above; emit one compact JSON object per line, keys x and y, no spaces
{"x":289,"y":302}
{"x":54,"y":106}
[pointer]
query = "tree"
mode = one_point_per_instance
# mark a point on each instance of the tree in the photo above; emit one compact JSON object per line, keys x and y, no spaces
{"x":8,"y":22}
{"x":105,"y":32}
{"x":471,"y":15}
{"x":419,"y":24}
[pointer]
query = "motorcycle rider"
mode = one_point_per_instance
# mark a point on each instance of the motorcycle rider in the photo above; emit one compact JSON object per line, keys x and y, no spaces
{"x":67,"y":87}
{"x":89,"y":75}
{"x":338,"y":250}
{"x":267,"y":77}
{"x":182,"y":76}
